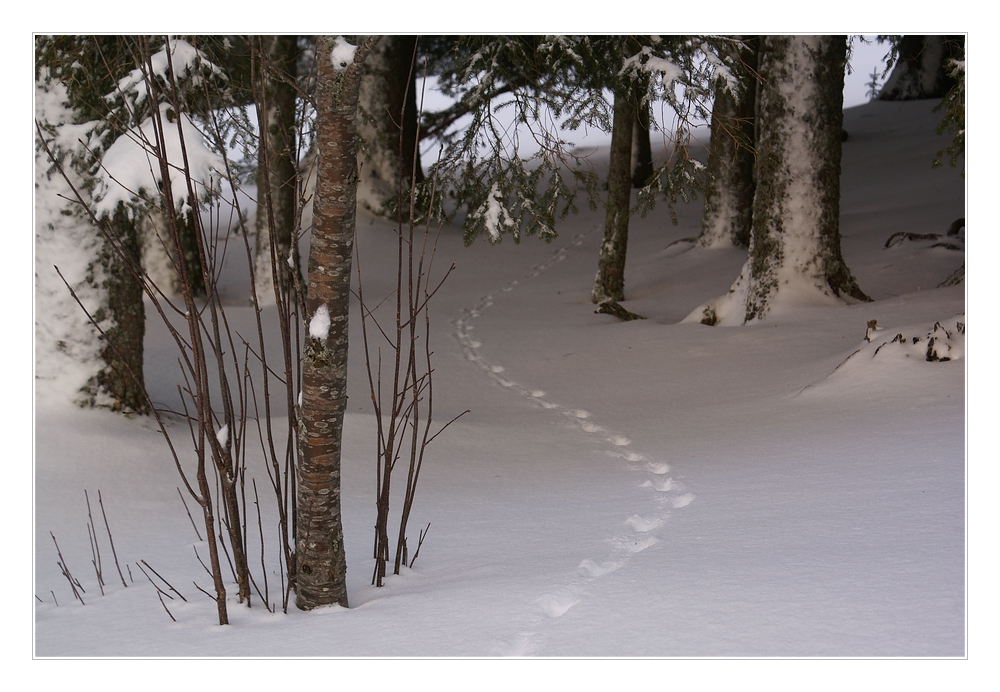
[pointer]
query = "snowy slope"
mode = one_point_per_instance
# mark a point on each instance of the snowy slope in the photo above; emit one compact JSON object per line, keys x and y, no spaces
{"x":619,"y":489}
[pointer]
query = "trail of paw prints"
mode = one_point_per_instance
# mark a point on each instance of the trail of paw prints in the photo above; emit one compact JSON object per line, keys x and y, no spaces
{"x":639,"y":531}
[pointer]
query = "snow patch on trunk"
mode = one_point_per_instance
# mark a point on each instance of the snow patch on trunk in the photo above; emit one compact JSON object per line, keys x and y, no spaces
{"x":319,"y":325}
{"x":342,"y":55}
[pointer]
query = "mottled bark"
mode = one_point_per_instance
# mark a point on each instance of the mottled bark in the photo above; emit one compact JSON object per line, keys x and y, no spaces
{"x":321,"y":561}
{"x":921,"y":71}
{"x":277,"y":196}
{"x":122,"y":376}
{"x":796,"y":212}
{"x":729,"y":194}
{"x":610,"y":281}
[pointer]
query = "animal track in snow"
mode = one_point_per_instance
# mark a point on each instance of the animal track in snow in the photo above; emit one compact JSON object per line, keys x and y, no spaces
{"x":682,"y":501}
{"x":636,"y":545}
{"x":643,"y":524}
{"x":590,"y":568}
{"x":641,"y":530}
{"x":557,"y":604}
{"x":661,"y":486}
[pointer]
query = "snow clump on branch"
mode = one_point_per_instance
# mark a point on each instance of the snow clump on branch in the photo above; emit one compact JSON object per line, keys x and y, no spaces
{"x":129,"y":166}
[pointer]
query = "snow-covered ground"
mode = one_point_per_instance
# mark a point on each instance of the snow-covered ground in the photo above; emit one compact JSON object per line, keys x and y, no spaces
{"x":650,"y":488}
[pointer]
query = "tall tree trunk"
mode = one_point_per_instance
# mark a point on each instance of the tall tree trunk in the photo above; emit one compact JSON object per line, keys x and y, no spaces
{"x":610,"y":281}
{"x":729,"y":195}
{"x":321,"y":561}
{"x":388,"y":103}
{"x":276,"y":171}
{"x":796,"y":224}
{"x":795,"y":246}
{"x":122,"y":377}
{"x":921,"y":72}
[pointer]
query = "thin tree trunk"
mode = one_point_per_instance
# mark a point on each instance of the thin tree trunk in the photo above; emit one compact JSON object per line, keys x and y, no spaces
{"x":122,"y":376}
{"x":610,"y":281}
{"x":728,"y":215}
{"x":276,"y":172}
{"x":642,"y":149}
{"x":321,"y":561}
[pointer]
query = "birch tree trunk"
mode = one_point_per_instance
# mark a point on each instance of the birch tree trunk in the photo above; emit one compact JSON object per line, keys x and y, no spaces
{"x":320,"y":558}
{"x":610,"y":281}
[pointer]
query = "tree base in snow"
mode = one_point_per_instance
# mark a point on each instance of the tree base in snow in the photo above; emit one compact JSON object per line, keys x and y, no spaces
{"x":611,"y":307}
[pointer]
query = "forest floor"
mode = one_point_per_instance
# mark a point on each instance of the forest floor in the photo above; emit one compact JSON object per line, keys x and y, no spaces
{"x":654,"y":488}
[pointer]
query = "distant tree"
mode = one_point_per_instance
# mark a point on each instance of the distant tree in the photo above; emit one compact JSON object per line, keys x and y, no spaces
{"x":874,"y":85}
{"x":276,"y":89}
{"x":543,"y":80}
{"x":729,"y":186}
{"x":795,"y":246}
{"x":609,"y":285}
{"x":922,"y":67}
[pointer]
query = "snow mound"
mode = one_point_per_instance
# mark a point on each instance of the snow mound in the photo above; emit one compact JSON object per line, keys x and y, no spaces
{"x":894,"y":353}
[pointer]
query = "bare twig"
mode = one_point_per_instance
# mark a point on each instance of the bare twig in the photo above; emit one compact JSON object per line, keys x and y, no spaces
{"x":73,"y":583}
{"x":210,"y":596}
{"x":111,"y":540}
{"x":420,"y":542}
{"x":195,"y":526}
{"x":94,"y":561}
{"x":95,"y":549}
{"x":155,"y":585}
{"x":164,"y":580}
{"x":164,"y":604}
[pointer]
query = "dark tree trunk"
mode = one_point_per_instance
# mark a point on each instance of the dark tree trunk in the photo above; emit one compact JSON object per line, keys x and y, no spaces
{"x":642,"y":149}
{"x":321,"y":561}
{"x":122,"y":376}
{"x":921,"y":71}
{"x":729,"y":195}
{"x":277,"y":197}
{"x":388,"y":102}
{"x":610,"y":281}
{"x":190,"y":255}
{"x":796,"y":212}
{"x":401,"y":83}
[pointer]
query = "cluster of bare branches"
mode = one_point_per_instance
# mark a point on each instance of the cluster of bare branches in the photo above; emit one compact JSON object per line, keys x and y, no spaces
{"x":404,"y":411}
{"x":221,"y":368}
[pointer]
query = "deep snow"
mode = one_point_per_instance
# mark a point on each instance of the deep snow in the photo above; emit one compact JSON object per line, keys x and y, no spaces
{"x":648,"y":488}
